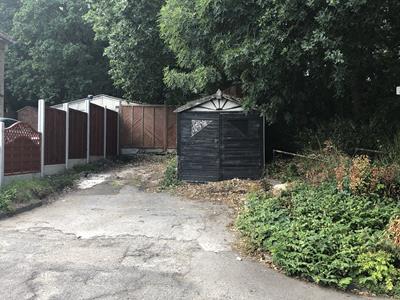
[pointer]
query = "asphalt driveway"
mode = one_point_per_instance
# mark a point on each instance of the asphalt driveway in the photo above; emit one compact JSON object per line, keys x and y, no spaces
{"x":117,"y":242}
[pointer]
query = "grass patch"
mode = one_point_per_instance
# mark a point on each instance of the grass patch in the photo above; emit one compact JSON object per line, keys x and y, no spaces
{"x":25,"y":191}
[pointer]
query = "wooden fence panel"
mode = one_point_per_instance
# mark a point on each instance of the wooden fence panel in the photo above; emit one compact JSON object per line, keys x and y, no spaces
{"x":22,"y":149}
{"x":148,"y":127}
{"x":54,"y":153}
{"x":112,"y":133}
{"x":136,"y":131}
{"x":77,"y":134}
{"x":171,"y":128}
{"x":148,"y":136}
{"x":159,"y":127}
{"x":96,"y":130}
{"x":126,"y":125}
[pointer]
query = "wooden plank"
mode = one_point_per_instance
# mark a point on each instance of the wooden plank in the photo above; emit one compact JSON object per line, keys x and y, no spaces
{"x":96,"y":130}
{"x":159,"y":127}
{"x":137,"y":128}
{"x":54,"y":136}
{"x":77,"y":134}
{"x":148,"y":126}
{"x":148,"y":123}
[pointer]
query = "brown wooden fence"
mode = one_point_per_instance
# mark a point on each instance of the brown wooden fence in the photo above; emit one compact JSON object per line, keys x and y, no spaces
{"x":77,"y":134}
{"x":54,"y":149}
{"x":112,"y":133}
{"x":148,"y":127}
{"x":22,"y":149}
{"x":96,"y":130}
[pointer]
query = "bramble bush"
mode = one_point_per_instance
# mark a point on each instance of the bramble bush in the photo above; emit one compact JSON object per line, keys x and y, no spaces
{"x":328,"y":236}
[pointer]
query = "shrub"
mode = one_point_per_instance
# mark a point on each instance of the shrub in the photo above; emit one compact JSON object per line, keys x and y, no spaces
{"x":377,"y":272}
{"x":6,"y":197}
{"x":321,"y":234}
{"x":394,"y":231}
{"x":170,"y":179}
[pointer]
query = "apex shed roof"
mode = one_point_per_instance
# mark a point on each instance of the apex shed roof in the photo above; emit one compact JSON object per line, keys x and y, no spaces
{"x":6,"y":38}
{"x":235,"y":103}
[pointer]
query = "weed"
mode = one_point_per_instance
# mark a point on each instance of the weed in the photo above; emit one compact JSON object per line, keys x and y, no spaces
{"x":170,"y":179}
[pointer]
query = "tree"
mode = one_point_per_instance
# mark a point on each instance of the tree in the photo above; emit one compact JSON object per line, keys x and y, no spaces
{"x":294,"y":59}
{"x":55,"y":57}
{"x":137,"y":54}
{"x":8,"y":8}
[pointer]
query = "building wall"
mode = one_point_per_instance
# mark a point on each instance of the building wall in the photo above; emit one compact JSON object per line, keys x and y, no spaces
{"x":215,"y":146}
{"x":29,"y":115}
{"x":2,"y":62}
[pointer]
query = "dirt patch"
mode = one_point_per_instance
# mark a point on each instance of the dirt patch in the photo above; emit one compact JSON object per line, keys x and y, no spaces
{"x":145,"y":172}
{"x":231,"y":192}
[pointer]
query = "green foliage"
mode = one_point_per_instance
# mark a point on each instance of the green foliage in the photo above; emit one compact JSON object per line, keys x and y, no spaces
{"x":170,"y":179}
{"x":6,"y":197}
{"x":348,"y":134}
{"x":55,"y":57}
{"x":377,"y":272}
{"x":295,"y":60}
{"x":323,"y":235}
{"x":25,"y":191}
{"x":8,"y":8}
{"x":136,"y":53}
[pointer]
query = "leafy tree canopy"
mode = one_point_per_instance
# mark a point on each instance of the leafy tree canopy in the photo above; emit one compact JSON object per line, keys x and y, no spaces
{"x":293,"y":59}
{"x":137,"y":54}
{"x":56,"y":57}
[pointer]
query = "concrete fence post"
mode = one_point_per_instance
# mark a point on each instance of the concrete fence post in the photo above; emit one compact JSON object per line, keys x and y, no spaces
{"x":88,"y":131}
{"x":41,"y":129}
{"x":2,"y":146}
{"x":105,"y":133}
{"x":66,"y":109}
{"x":118,"y":126}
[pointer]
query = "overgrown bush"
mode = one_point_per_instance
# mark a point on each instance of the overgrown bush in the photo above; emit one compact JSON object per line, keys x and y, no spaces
{"x":327,"y":236}
{"x":361,"y":176}
{"x":347,"y":134}
{"x":170,"y":179}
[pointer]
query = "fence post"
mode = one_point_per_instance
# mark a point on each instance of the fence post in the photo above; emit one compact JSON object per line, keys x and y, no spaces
{"x":41,"y":129}
{"x":105,"y":133}
{"x":2,"y":150}
{"x":165,"y":127}
{"x":118,"y":126}
{"x":88,"y":131}
{"x":66,"y":109}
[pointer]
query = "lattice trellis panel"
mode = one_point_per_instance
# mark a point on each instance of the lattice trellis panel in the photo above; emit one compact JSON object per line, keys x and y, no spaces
{"x":22,"y":149}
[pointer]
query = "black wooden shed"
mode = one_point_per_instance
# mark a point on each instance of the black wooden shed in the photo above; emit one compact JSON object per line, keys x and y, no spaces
{"x":218,"y":140}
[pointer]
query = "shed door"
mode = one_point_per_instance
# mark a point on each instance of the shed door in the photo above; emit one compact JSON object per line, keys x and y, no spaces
{"x":241,"y":146}
{"x":199,"y":147}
